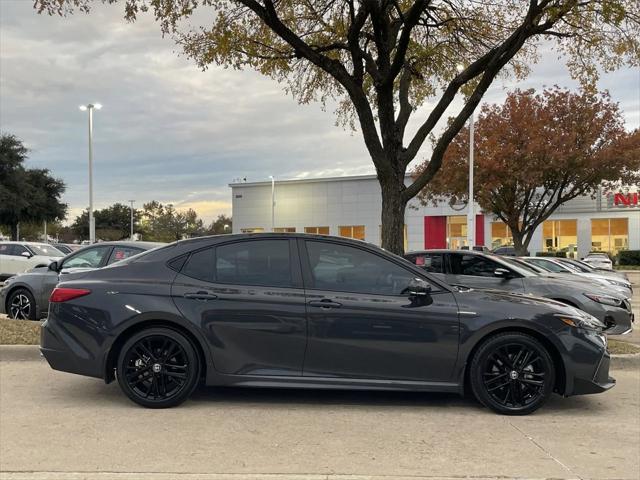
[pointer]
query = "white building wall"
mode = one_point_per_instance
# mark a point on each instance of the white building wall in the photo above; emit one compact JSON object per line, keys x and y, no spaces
{"x":343,"y":201}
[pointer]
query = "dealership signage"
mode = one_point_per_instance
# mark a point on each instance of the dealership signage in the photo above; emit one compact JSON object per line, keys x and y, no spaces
{"x":623,"y":199}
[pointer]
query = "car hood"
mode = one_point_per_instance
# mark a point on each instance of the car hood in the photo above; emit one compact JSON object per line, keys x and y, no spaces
{"x":549,"y":281}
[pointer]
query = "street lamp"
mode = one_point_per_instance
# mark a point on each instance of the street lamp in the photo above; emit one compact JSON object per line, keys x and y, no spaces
{"x":273,"y":201}
{"x":471,"y":214}
{"x":92,"y":224}
{"x":131,"y":202}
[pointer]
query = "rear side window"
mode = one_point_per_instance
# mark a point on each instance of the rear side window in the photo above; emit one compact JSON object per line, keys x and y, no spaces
{"x":201,"y":265}
{"x":431,"y":263}
{"x":256,"y":262}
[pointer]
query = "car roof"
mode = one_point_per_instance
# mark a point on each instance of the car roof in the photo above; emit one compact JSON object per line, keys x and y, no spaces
{"x":239,"y":236}
{"x":124,"y":243}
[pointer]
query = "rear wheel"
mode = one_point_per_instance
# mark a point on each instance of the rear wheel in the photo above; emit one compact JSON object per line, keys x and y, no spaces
{"x":21,"y":305}
{"x":512,"y":374}
{"x":158,"y":368}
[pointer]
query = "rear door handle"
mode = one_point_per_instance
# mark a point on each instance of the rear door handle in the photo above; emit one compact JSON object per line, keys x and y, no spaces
{"x":324,"y":303}
{"x":204,"y":296}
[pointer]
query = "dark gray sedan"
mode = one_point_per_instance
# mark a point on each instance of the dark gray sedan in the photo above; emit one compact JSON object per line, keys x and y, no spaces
{"x":478,"y":270}
{"x":26,"y":295}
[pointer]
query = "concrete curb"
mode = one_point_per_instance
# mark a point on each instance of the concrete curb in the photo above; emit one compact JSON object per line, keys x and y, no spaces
{"x":219,"y":476}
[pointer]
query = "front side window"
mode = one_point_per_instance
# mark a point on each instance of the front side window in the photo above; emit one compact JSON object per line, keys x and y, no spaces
{"x":89,"y":258}
{"x":474,"y":265}
{"x":258,"y":262}
{"x":18,"y":250}
{"x":349,"y":269}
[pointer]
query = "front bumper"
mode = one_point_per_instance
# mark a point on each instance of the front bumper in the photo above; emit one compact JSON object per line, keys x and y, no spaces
{"x":619,"y":320}
{"x":600,"y":382}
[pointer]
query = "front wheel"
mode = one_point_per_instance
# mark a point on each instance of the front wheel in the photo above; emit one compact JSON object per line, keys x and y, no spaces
{"x":512,"y":374}
{"x":21,"y":305}
{"x":158,"y":368}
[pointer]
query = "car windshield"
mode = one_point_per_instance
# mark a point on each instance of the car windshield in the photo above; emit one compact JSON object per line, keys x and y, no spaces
{"x":46,"y":250}
{"x":578,"y":265}
{"x":513,"y":265}
{"x":523,"y":264}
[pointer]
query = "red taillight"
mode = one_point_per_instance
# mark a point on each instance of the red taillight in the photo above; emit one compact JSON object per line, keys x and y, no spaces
{"x":65,"y":294}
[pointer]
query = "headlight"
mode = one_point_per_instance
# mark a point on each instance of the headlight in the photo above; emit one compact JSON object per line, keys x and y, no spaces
{"x":604,"y":299}
{"x":617,"y":283}
{"x":584,"y":320}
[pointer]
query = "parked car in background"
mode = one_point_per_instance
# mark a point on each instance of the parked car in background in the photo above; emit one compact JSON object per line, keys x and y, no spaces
{"x":556,"y":265}
{"x":478,"y":270}
{"x":16,"y":257}
{"x":505,"y":251}
{"x":26,"y":296}
{"x":585,"y":267}
{"x":313,"y":311}
{"x":599,"y":260}
{"x":66,"y":248}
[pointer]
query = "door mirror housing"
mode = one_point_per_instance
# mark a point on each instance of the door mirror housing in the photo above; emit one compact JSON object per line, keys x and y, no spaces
{"x":418,"y":288}
{"x":53,"y":266}
{"x":26,"y":255}
{"x":502,"y":273}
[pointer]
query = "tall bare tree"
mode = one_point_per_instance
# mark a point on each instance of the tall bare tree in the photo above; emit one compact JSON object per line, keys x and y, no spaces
{"x":382,"y":59}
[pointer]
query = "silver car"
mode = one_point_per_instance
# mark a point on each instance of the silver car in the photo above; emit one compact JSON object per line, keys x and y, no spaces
{"x":479,"y":270}
{"x":26,"y":295}
{"x":558,"y":266}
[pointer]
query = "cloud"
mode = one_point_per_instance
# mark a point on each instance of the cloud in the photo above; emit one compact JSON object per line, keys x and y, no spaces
{"x":169,"y":131}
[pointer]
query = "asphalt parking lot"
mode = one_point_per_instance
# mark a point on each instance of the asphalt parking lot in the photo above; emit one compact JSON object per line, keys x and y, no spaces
{"x":60,"y":426}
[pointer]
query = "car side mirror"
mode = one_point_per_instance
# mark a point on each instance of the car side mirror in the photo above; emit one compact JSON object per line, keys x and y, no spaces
{"x":502,"y":273}
{"x":53,"y":266}
{"x":418,"y":288}
{"x":25,"y":254}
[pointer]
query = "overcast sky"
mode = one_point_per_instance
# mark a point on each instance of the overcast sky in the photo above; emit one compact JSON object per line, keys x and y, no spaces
{"x":169,"y":131}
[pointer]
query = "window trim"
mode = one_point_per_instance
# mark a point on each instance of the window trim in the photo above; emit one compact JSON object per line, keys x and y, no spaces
{"x":309,"y":281}
{"x":296,"y":276}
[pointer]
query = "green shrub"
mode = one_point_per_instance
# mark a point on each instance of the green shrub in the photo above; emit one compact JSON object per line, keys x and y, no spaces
{"x":629,"y":257}
{"x":552,"y":254}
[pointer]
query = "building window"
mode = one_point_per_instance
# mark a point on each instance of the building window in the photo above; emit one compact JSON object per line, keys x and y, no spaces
{"x":317,"y":230}
{"x":500,"y":235}
{"x":561,"y":236}
{"x":456,"y":231}
{"x":284,"y":229}
{"x":352,"y":231}
{"x":610,"y":234}
{"x":252,"y":230}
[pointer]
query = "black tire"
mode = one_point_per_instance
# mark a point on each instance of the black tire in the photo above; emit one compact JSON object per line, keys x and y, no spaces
{"x":512,"y":374}
{"x":158,"y":368}
{"x":21,"y":305}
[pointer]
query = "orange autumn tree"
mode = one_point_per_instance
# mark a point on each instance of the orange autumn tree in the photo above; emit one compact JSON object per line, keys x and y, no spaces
{"x":536,"y":152}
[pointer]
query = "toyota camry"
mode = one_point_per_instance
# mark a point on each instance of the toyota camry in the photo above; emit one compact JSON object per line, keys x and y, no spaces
{"x":307,"y":311}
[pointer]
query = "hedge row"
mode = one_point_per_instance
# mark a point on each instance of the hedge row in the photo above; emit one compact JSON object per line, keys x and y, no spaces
{"x":629,"y":257}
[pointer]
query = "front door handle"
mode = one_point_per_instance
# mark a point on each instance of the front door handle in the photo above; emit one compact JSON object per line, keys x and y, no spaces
{"x":204,"y":296}
{"x":324,"y":303}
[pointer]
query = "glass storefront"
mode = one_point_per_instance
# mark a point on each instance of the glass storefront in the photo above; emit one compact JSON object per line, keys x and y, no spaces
{"x":284,"y":230}
{"x":500,"y":235}
{"x":610,"y":234}
{"x":457,"y":231}
{"x":560,"y":236}
{"x":352,"y":231}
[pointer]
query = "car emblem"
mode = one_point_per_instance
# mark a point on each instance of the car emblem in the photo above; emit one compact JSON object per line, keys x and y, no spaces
{"x":513,"y":375}
{"x":157,"y":367}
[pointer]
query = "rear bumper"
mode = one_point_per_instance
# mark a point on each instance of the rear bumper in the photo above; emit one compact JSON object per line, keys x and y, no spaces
{"x":64,"y":353}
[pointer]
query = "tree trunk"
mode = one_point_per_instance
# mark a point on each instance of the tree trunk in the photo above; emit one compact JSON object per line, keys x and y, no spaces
{"x":14,"y":232}
{"x":393,"y":207}
{"x":520,"y":243}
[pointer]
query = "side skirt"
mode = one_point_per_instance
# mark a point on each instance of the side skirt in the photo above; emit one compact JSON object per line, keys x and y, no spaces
{"x":332,"y":383}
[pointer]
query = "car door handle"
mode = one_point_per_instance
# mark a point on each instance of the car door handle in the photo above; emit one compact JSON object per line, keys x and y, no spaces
{"x":200,"y":296}
{"x":324,"y":303}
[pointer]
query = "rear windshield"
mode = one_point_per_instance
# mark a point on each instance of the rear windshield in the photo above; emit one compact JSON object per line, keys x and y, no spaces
{"x":139,"y":256}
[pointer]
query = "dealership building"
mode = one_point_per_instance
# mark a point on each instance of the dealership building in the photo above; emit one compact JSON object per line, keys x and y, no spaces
{"x":351,"y":207}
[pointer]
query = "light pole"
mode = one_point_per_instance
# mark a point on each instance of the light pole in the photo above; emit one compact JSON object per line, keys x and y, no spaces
{"x":273,"y":201}
{"x":92,"y":224}
{"x":131,"y":202}
{"x":471,"y":214}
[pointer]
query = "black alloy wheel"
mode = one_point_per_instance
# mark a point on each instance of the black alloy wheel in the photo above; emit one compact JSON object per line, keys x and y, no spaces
{"x":512,"y":373}
{"x":158,"y":368}
{"x":21,"y":305}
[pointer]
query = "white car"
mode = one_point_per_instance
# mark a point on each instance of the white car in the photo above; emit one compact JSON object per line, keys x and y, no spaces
{"x":599,"y":260}
{"x":560,"y":267}
{"x":17,"y":257}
